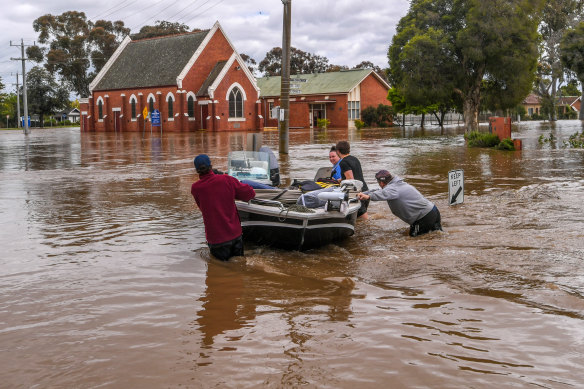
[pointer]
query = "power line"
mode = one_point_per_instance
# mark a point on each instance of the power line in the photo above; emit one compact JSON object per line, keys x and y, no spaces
{"x":182,"y":9}
{"x":119,"y":9}
{"x":99,"y":15}
{"x":201,"y":13}
{"x":152,"y":17}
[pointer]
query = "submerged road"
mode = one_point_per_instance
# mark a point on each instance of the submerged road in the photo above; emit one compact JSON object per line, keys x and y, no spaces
{"x":105,"y":279}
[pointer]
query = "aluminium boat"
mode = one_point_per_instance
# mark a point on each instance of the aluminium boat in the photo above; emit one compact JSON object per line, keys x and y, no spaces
{"x":291,"y":219}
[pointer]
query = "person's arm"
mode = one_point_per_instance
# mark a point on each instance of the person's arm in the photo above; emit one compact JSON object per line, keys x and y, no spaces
{"x":386,"y":194}
{"x":243,"y":192}
{"x":349,"y":175}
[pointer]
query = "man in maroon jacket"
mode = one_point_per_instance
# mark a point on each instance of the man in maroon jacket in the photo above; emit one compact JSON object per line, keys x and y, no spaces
{"x":215,"y":195}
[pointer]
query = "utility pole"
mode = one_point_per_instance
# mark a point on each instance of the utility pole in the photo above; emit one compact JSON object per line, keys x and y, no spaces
{"x":24,"y":100}
{"x":284,"y":119}
{"x":17,"y":102}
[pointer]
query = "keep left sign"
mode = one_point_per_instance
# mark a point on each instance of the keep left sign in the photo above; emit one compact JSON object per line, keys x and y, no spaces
{"x":456,"y":187}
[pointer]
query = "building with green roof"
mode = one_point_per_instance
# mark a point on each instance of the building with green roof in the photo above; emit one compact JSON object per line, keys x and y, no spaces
{"x":336,"y":96}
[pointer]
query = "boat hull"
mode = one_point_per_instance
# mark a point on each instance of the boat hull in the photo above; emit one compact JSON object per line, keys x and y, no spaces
{"x":293,"y":230}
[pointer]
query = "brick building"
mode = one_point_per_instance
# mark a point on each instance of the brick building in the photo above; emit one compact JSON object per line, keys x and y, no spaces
{"x":196,"y":80}
{"x":337,"y":96}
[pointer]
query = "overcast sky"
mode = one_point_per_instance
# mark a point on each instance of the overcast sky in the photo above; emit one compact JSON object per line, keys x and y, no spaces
{"x":345,"y":31}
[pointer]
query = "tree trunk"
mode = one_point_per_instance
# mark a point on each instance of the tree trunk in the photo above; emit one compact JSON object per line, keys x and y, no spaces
{"x":553,"y":102}
{"x":423,"y":117}
{"x":470,"y":107}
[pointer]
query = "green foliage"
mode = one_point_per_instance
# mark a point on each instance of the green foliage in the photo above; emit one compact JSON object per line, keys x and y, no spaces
{"x":369,"y":116}
{"x":300,"y":62}
{"x":572,"y":50}
{"x":549,"y":139}
{"x":571,"y":88}
{"x":161,"y":28}
{"x":481,"y":139}
{"x":453,"y":53}
{"x":323,"y":123}
{"x":359,"y":124}
{"x":74,"y":45}
{"x":575,"y":141}
{"x":45,"y":95}
{"x":505,"y":144}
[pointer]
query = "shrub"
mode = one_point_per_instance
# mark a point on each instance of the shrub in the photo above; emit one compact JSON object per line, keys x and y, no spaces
{"x":575,"y":141}
{"x":506,"y":144}
{"x":481,"y":139}
{"x":322,"y":123}
{"x":359,"y":124}
{"x":369,"y":116}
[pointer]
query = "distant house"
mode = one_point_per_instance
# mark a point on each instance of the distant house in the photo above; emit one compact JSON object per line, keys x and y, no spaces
{"x":68,"y":114}
{"x":532,"y":104}
{"x":337,"y":96}
{"x":195,"y":80}
{"x":568,"y":103}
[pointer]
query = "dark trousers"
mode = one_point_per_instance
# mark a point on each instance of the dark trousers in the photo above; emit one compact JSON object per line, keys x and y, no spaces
{"x":430,"y":222}
{"x":226,"y":250}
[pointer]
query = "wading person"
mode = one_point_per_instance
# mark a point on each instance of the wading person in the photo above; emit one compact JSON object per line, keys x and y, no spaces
{"x":351,"y":170}
{"x":215,"y":195}
{"x":406,"y":203}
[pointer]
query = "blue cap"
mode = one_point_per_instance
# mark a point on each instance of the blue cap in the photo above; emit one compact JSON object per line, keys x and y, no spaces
{"x":202,"y":160}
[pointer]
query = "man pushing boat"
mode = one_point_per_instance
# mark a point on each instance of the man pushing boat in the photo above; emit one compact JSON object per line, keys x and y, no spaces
{"x":405,"y":202}
{"x":215,"y":195}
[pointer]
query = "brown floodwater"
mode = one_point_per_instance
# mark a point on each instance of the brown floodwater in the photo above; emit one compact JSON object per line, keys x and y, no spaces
{"x":105,"y":279}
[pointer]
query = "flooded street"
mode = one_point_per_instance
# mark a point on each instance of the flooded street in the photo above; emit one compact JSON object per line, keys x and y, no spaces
{"x":106,"y":280}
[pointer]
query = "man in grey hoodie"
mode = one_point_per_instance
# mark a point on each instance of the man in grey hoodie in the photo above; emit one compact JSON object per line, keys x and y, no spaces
{"x":405,"y":202}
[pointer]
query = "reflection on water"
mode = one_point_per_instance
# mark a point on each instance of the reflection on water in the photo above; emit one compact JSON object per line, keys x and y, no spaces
{"x":106,"y":279}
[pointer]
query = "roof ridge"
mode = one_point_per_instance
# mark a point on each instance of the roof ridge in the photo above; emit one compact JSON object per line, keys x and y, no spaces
{"x":171,"y":35}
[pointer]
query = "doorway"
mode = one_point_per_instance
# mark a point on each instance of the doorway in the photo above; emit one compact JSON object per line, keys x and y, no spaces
{"x":317,"y":111}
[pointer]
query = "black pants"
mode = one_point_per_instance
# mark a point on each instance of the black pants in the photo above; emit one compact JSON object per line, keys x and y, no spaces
{"x":430,"y":222}
{"x":226,"y":250}
{"x":363,"y":209}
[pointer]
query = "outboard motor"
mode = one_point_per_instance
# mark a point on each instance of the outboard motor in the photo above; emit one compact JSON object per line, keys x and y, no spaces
{"x":273,"y":165}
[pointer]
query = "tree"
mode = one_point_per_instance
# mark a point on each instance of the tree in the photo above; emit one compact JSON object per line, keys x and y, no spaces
{"x":162,"y":28}
{"x":250,"y":62}
{"x":449,"y":50}
{"x":370,"y":65}
{"x":572,"y":56}
{"x":300,"y":62}
{"x":74,"y":45}
{"x":45,"y":95}
{"x":557,"y":17}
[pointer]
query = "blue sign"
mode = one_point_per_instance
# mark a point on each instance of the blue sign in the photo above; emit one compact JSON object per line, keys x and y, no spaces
{"x":22,"y":121}
{"x":155,"y":118}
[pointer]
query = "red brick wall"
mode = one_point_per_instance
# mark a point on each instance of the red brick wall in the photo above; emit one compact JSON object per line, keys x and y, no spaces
{"x":300,"y":110}
{"x":250,"y":113}
{"x":218,"y":49}
{"x":373,"y":92}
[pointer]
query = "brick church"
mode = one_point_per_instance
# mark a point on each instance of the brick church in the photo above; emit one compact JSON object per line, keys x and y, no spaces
{"x":195,"y":80}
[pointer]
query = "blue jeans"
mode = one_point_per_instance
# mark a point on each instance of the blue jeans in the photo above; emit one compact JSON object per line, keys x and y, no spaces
{"x":226,"y":250}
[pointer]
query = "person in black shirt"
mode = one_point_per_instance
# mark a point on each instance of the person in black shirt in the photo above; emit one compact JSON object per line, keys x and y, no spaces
{"x":351,"y":170}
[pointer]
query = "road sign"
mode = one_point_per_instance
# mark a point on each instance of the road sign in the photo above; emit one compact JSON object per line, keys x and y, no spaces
{"x":456,"y":187}
{"x":155,"y":119}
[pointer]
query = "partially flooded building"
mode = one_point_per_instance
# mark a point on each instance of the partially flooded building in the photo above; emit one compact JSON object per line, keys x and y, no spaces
{"x":194,"y":80}
{"x":337,"y":96}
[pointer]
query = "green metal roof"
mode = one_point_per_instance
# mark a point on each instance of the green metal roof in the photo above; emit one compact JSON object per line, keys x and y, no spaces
{"x":314,"y":83}
{"x":151,"y":62}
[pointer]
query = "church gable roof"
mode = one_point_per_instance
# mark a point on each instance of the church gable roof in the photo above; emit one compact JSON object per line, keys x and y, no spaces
{"x":151,"y":62}
{"x":211,"y":78}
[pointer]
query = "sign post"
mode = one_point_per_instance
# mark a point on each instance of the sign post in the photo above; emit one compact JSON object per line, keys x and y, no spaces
{"x":455,"y":187}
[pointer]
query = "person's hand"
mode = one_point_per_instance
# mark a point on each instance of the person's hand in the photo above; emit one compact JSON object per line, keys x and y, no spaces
{"x":362,"y":196}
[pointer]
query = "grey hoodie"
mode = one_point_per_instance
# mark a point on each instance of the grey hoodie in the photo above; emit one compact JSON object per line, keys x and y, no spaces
{"x":404,"y":200}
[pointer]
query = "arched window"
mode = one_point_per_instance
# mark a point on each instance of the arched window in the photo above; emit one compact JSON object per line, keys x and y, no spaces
{"x":191,"y":106}
{"x":235,"y":103}
{"x":133,"y":105}
{"x":151,"y":105}
{"x":100,"y":110}
{"x":170,"y":107}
